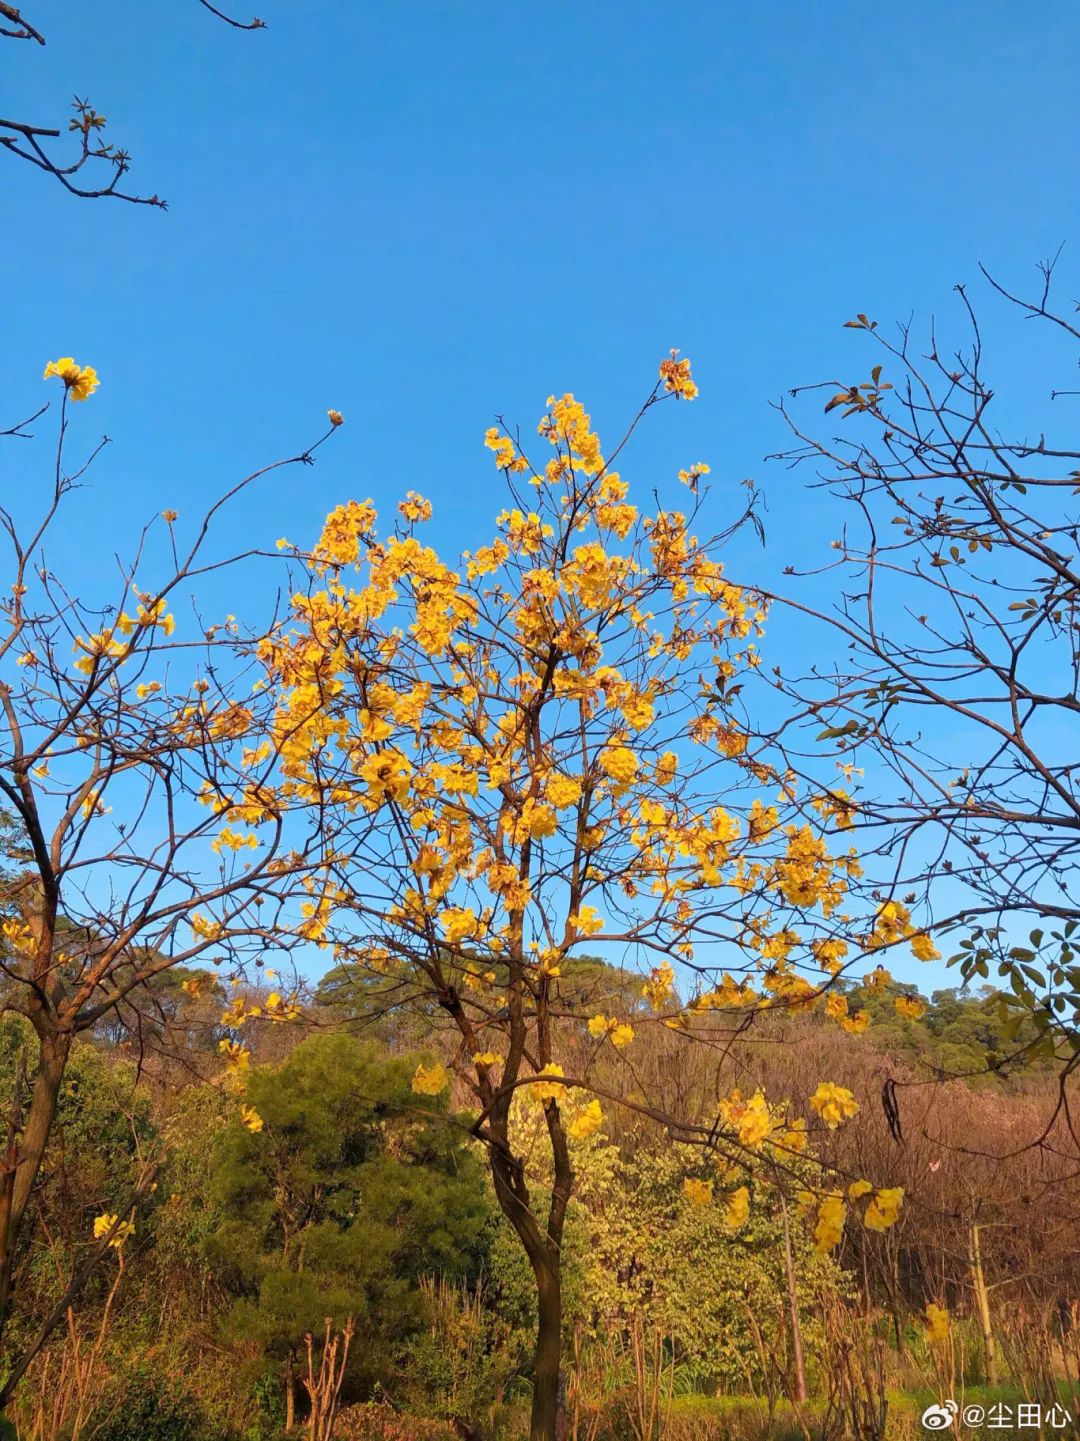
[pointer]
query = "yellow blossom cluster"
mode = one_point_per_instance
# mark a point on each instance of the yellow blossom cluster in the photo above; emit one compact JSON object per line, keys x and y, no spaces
{"x":81,"y":380}
{"x":737,"y":1209}
{"x":105,"y":1223}
{"x":549,"y":1089}
{"x":660,"y":986}
{"x":833,"y":1104}
{"x":698,"y":1192}
{"x":912,"y":1008}
{"x":750,"y":1120}
{"x":621,"y":1032}
{"x":430,"y":1080}
{"x":676,"y":376}
{"x":586,"y":1122}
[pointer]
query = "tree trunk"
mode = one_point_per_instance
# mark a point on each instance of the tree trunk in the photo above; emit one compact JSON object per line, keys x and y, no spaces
{"x":544,"y":1250}
{"x":982,"y":1299}
{"x":53,"y":1050}
{"x":548,"y":1354}
{"x":290,"y":1395}
{"x":793,"y":1305}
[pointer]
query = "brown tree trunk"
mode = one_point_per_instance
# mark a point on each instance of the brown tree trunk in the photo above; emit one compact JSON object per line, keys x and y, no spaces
{"x":544,"y":1250}
{"x":53,"y":1050}
{"x":547,"y":1356}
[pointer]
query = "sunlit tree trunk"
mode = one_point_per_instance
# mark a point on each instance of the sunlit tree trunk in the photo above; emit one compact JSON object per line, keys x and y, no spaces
{"x":290,"y":1394}
{"x":982,"y":1300}
{"x":544,"y":1250}
{"x":23,"y":1166}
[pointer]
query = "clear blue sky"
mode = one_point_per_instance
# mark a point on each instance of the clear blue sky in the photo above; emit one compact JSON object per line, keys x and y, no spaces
{"x":429,"y":214}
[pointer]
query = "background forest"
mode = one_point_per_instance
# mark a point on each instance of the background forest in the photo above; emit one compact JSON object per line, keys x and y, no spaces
{"x":344,"y":1204}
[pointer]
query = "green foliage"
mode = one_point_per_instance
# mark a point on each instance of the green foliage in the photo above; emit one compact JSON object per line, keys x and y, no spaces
{"x":102,"y":1120}
{"x":962,"y":1033}
{"x":144,"y":1405}
{"x":652,"y":1254}
{"x":349,"y":1195}
{"x":464,"y":1361}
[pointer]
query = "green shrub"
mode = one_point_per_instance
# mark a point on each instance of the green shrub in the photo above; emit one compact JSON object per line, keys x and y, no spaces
{"x":144,"y":1405}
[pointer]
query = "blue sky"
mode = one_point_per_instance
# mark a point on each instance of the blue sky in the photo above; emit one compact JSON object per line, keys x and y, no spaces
{"x":427,"y":215}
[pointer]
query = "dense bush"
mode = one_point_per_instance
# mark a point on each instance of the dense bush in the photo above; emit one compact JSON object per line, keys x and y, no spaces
{"x":144,"y":1405}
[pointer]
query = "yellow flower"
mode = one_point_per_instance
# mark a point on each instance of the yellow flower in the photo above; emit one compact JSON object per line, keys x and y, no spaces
{"x":923,"y":949}
{"x":81,"y":380}
{"x":833,"y":1104}
{"x":698,"y":1193}
{"x":487,"y":1058}
{"x":335,"y":417}
{"x":830,"y":1223}
{"x":251,"y":1119}
{"x":237,"y":1056}
{"x":836,"y":1006}
{"x":693,"y":475}
{"x":458,"y":924}
{"x":619,"y":763}
{"x":104,"y":1223}
{"x":586,"y":922}
{"x":858,"y":1189}
{"x":750,"y":1119}
{"x":794,"y":1137}
{"x":676,"y":377}
{"x":586,"y":1123}
{"x":660,"y":985}
{"x":936,"y":1329}
{"x":829,"y":954}
{"x":857,"y":1023}
{"x":737,"y":1209}
{"x":548,"y":1090}
{"x":562,"y":791}
{"x":621,"y":1032}
{"x":414,"y":507}
{"x":883,"y":1208}
{"x":912,"y":1008}
{"x":503,"y":446}
{"x":430,"y":1080}
{"x":387,"y":775}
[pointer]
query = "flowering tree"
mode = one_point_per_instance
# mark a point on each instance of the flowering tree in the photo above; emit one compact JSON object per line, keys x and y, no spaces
{"x":540,"y":750}
{"x":134,"y":768}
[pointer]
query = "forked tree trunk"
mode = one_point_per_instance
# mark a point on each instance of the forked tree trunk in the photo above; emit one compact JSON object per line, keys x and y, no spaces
{"x":544,"y":1250}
